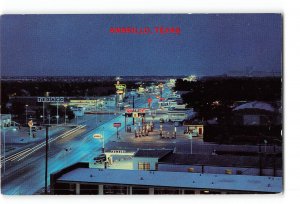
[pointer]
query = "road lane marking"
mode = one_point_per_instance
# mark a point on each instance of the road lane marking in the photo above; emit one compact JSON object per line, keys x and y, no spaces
{"x":21,"y":155}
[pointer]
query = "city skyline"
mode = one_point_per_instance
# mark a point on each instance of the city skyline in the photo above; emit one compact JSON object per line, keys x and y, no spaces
{"x":82,"y":45}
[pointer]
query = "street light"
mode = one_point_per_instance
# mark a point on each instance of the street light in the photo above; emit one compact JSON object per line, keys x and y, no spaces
{"x":65,"y":105}
{"x":26,"y":112}
{"x":191,"y":138}
{"x":4,"y":158}
{"x":57,"y":116}
{"x":96,"y":109}
{"x":132,"y":93}
{"x":49,"y":119}
{"x":46,"y":158}
{"x":266,"y":142}
{"x":100,"y":137}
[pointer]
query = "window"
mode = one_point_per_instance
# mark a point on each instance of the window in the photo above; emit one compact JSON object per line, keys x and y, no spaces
{"x":144,"y":166}
{"x":140,"y":190}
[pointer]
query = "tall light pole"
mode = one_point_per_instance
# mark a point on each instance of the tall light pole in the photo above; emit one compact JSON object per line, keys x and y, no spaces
{"x":96,"y":111}
{"x":46,"y":159}
{"x":4,"y":158}
{"x":266,"y":142}
{"x":57,"y":113}
{"x":132,"y":93}
{"x":43,"y":113}
{"x":65,"y":105}
{"x":191,"y":138}
{"x":100,"y":137}
{"x":26,"y":112}
{"x":101,"y":109}
{"x":49,"y":119}
{"x":103,"y":150}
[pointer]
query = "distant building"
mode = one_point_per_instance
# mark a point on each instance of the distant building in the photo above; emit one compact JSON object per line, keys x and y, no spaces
{"x":5,"y":120}
{"x":191,"y":78}
{"x":196,"y":129}
{"x":180,"y":114}
{"x":254,"y":113}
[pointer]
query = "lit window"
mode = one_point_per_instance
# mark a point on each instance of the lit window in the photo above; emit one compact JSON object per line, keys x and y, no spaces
{"x":144,"y":166}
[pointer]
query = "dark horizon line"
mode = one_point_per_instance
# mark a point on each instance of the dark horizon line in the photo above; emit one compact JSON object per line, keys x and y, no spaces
{"x":95,"y":76}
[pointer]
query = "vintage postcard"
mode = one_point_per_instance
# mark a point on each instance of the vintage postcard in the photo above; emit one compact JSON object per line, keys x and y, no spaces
{"x":127,"y":104}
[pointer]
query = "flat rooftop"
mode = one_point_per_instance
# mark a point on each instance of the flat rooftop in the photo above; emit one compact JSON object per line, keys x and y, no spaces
{"x":173,"y":179}
{"x":154,"y":153}
{"x":222,"y":160}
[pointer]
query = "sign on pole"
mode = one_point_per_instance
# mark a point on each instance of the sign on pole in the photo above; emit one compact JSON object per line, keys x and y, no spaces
{"x":135,"y":115}
{"x":98,"y":136}
{"x":117,"y":125}
{"x":51,"y":99}
{"x":30,"y":123}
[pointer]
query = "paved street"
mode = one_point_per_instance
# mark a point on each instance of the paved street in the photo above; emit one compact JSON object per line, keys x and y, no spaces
{"x":26,"y":174}
{"x":25,"y":168}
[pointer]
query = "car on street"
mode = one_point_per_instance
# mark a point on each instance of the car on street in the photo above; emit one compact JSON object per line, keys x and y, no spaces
{"x":100,"y":158}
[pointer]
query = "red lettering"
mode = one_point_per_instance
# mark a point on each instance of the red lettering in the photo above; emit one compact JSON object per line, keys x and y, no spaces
{"x":111,"y":30}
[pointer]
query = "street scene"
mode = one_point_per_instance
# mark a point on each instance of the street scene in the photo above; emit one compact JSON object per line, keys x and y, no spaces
{"x":193,"y":108}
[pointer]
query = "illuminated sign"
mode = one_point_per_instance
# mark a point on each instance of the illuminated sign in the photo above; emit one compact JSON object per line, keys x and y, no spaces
{"x":117,"y":125}
{"x":51,"y":99}
{"x":98,"y":136}
{"x":120,"y":86}
{"x":135,"y":115}
{"x":30,"y":123}
{"x":129,"y":110}
{"x":138,"y":110}
{"x":83,"y":101}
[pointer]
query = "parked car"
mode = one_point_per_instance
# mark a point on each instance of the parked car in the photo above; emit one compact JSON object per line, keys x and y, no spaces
{"x":100,"y":158}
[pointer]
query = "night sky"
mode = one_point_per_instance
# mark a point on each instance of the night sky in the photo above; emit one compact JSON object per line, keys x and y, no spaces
{"x":76,"y":45}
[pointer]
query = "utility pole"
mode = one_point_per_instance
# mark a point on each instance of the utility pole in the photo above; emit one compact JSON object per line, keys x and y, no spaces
{"x":43,"y":113}
{"x":65,"y":115}
{"x":57,"y":113}
{"x":4,"y":154}
{"x":132,"y":108}
{"x":96,"y":111}
{"x":26,"y":112}
{"x":191,"y":138}
{"x":103,"y":149}
{"x":46,"y":160}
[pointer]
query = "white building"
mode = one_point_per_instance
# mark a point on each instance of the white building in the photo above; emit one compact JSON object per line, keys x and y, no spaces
{"x":147,"y":159}
{"x":180,"y":114}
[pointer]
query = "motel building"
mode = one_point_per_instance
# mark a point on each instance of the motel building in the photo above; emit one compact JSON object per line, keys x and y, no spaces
{"x":166,"y":172}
